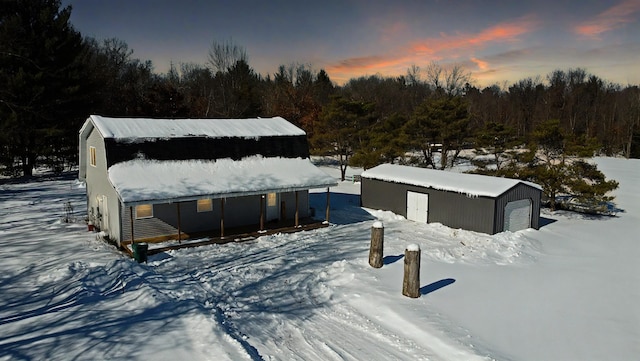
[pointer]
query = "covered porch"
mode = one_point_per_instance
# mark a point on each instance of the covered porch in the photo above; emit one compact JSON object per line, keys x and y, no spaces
{"x":159,"y":230}
{"x":235,"y":234}
{"x":216,"y":202}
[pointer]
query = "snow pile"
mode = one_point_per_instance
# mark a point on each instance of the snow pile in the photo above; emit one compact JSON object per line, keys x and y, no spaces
{"x":443,"y":244}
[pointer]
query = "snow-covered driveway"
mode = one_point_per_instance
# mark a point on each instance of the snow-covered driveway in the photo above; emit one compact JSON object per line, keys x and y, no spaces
{"x":568,"y":291}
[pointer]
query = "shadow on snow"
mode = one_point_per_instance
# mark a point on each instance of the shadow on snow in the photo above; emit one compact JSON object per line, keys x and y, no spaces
{"x":425,"y":290}
{"x":345,"y":208}
{"x":391,"y":259}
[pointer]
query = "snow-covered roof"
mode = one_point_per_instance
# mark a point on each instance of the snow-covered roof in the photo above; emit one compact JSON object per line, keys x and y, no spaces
{"x":471,"y":184}
{"x":142,"y":181}
{"x":133,"y":129}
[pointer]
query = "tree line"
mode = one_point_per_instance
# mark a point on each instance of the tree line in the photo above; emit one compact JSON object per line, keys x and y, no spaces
{"x":51,"y":78}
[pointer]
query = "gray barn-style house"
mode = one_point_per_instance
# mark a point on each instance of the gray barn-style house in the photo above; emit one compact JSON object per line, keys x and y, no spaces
{"x":467,"y":201}
{"x":159,"y":179}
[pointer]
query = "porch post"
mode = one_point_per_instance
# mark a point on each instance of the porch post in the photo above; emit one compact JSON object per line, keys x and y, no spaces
{"x":179,"y":223}
{"x":222,"y":201}
{"x":326,"y":217}
{"x":296,"y":216}
{"x":131,"y":219}
{"x":262,"y":212}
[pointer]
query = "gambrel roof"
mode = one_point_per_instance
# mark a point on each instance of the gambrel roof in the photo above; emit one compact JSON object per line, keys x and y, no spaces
{"x":171,"y":160}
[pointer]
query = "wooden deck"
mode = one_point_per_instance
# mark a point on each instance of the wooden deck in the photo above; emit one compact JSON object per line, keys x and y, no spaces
{"x":238,"y":234}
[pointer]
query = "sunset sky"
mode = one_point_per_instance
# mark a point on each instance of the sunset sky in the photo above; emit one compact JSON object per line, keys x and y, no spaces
{"x":497,"y":41}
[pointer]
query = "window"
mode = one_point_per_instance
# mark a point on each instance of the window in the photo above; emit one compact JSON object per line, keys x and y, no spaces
{"x":144,"y":211}
{"x":272,"y":200}
{"x":92,"y":156}
{"x":205,"y":205}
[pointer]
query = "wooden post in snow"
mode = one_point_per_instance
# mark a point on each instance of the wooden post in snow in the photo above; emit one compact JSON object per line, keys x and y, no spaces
{"x":262,"y":213}
{"x":131,"y":219}
{"x":377,"y":245}
{"x":411,"y":281}
{"x":326,"y":214}
{"x":296,"y":220}
{"x":222,"y":201}
{"x":179,"y":224}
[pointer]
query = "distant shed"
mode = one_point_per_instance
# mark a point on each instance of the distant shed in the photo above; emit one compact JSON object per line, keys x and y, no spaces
{"x":458,"y":200}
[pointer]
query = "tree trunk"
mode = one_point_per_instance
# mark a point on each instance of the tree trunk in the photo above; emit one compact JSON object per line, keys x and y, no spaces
{"x":343,"y":165}
{"x":444,"y":156}
{"x":552,"y":201}
{"x":27,"y":165}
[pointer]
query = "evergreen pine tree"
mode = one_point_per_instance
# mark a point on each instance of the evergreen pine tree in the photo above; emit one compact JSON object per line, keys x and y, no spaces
{"x":497,"y":141}
{"x":383,"y":142}
{"x":439,"y":122}
{"x":41,"y":84}
{"x":556,"y":162}
{"x":339,"y":130}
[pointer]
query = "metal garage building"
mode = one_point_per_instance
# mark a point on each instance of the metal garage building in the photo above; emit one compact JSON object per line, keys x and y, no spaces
{"x":468,"y":201}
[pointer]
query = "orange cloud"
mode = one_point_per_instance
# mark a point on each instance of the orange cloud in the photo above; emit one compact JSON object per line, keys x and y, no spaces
{"x":610,"y":19}
{"x":502,"y":32}
{"x":482,"y":65}
{"x":363,"y":63}
{"x":432,"y":49}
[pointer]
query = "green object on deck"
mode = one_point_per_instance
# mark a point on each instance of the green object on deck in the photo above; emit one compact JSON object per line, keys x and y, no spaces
{"x":140,"y":252}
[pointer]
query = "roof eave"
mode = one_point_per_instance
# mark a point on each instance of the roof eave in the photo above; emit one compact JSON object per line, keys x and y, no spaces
{"x":224,"y":195}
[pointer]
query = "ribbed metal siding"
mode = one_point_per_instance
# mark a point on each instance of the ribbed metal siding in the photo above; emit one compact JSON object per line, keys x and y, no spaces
{"x":144,"y":228}
{"x":458,"y":210}
{"x":388,"y":196}
{"x":520,"y":191}
{"x":452,"y":209}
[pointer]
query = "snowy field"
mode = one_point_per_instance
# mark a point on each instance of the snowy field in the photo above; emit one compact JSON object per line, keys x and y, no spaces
{"x":570,"y":291}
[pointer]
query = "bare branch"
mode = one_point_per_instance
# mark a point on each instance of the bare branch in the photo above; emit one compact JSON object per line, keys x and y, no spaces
{"x":222,"y":56}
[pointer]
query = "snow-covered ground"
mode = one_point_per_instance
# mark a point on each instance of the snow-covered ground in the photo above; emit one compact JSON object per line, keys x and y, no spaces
{"x":570,"y":291}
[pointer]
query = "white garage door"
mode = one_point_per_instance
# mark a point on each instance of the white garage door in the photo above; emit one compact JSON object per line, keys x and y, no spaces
{"x":517,"y":215}
{"x":417,"y":207}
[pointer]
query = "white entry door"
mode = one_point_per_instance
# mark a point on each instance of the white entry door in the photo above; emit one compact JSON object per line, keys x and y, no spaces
{"x":417,"y":207}
{"x":273,"y":206}
{"x":104,"y":212}
{"x":517,"y":215}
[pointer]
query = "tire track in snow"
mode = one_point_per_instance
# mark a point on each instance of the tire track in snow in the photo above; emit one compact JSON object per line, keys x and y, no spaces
{"x":275,"y":296}
{"x":226,"y":334}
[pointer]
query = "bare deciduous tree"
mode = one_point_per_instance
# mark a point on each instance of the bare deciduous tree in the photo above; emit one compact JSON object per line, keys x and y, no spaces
{"x":434,"y":75}
{"x":223,"y":56}
{"x":456,"y":78}
{"x":450,"y":80}
{"x":414,"y":75}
